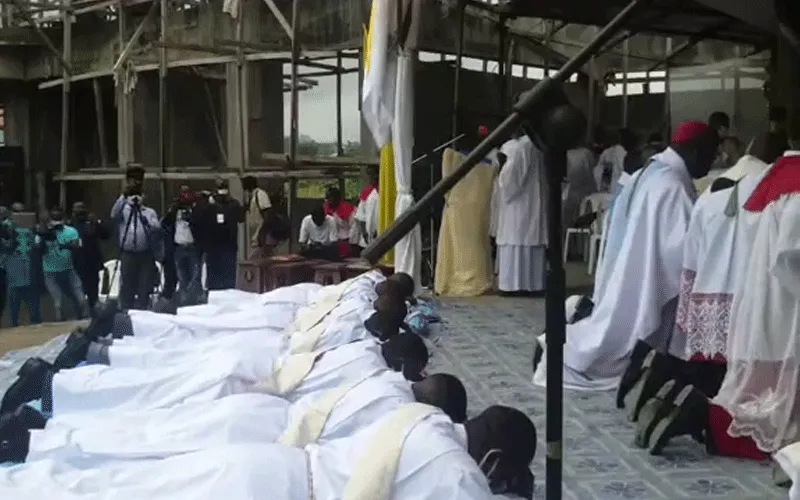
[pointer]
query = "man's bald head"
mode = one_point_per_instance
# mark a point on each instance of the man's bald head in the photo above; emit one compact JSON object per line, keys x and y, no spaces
{"x":443,"y":391}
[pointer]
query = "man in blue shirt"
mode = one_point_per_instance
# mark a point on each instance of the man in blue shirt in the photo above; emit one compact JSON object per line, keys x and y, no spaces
{"x":17,"y":246}
{"x":58,"y":241}
{"x":140,"y":245}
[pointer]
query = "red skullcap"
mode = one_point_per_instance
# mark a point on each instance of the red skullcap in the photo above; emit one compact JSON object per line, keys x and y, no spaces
{"x":688,"y":131}
{"x":483,"y":131}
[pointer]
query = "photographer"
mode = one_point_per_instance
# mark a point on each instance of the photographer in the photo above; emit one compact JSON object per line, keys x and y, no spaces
{"x":17,"y":246}
{"x":89,"y":258}
{"x":139,"y":243}
{"x":180,"y":225}
{"x":58,"y":241}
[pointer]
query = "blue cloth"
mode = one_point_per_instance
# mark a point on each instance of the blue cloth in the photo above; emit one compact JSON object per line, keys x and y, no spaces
{"x":421,"y":317}
{"x":19,"y":266}
{"x":57,"y":255}
{"x":137,"y":236}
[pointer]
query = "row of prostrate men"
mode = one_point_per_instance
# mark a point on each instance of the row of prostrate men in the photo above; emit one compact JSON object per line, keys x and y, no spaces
{"x":695,"y":315}
{"x":302,"y":392}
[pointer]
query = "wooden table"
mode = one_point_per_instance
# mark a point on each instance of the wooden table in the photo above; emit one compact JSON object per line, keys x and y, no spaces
{"x":329,"y":273}
{"x":263,"y":275}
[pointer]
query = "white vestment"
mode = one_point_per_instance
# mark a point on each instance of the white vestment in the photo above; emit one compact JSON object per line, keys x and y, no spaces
{"x":580,"y":182}
{"x":494,"y":204}
{"x":522,"y":225}
{"x":97,"y":388}
{"x":713,"y":255}
{"x":433,"y":465}
{"x":648,"y":224}
{"x":368,"y":212}
{"x":96,"y":437}
{"x":612,"y":159}
{"x":229,"y":301}
{"x":760,"y":390}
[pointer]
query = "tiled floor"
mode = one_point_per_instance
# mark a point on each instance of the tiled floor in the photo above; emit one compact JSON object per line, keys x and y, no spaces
{"x":488,"y":343}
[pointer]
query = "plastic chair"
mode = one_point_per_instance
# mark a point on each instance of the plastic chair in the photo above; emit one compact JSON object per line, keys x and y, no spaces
{"x":110,"y":275}
{"x":597,"y":245}
{"x":586,"y":207}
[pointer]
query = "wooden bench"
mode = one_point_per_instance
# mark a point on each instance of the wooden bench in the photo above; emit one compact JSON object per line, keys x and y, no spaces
{"x":329,"y":273}
{"x":288,"y":272}
{"x":354,"y":269}
{"x":251,"y":275}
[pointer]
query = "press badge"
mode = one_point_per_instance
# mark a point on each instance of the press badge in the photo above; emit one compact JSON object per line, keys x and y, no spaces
{"x":220,"y":218}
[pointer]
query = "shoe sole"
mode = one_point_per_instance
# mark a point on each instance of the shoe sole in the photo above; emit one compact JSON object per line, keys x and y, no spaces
{"x":622,"y":395}
{"x":635,"y":394}
{"x":650,"y":414}
{"x":660,"y":436}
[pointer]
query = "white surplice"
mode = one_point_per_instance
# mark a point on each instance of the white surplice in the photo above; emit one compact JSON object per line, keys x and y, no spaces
{"x":94,"y":438}
{"x":713,"y":255}
{"x":760,"y":390}
{"x":580,"y":182}
{"x":368,"y":212}
{"x":648,"y":224}
{"x":228,"y":301}
{"x":98,"y":388}
{"x":494,"y":205}
{"x":433,"y":465}
{"x":522,"y":225}
{"x":612,"y":159}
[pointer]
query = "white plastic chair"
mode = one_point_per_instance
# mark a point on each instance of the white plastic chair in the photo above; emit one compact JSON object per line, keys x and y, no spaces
{"x":580,"y":232}
{"x":597,"y":245}
{"x":110,"y":272}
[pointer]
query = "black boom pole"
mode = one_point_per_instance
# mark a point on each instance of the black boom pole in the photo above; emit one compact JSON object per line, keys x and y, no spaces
{"x":555,"y":127}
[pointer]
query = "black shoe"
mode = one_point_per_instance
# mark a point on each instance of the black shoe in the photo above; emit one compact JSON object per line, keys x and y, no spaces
{"x":28,"y":386}
{"x":538,"y":354}
{"x":641,"y":358}
{"x":73,"y":354}
{"x":14,"y":440}
{"x":122,"y":326}
{"x":29,"y":418}
{"x":655,"y":376}
{"x":689,"y":416}
{"x":653,"y":411}
{"x":165,"y":306}
{"x":583,"y":310}
{"x":102,"y":321}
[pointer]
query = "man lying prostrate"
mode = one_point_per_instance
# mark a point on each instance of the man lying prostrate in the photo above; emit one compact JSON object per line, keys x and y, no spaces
{"x":398,"y":283}
{"x":347,"y":322}
{"x":413,"y":452}
{"x":96,"y":387}
{"x":95,"y":438}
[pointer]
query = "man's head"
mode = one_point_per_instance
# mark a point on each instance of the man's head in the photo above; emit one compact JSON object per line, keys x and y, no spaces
{"x":397,"y":284}
{"x":186,"y":196}
{"x":318,"y":215}
{"x":56,"y":216}
{"x":220,"y":187}
{"x":390,"y":313}
{"x":333,"y":196}
{"x":720,"y":123}
{"x":17,"y":207}
{"x":443,"y":391}
{"x":406,"y":353}
{"x":249,"y":183}
{"x":697,"y":143}
{"x":79,"y":211}
{"x":134,"y":180}
{"x":503,"y":442}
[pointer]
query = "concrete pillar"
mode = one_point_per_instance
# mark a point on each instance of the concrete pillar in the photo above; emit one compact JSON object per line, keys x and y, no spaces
{"x":231,"y":122}
{"x":125,"y":150}
{"x":265,"y":105}
{"x":17,"y":130}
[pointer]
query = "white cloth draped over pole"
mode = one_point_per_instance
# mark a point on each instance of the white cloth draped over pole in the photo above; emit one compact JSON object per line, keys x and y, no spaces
{"x":388,"y":109}
{"x":407,"y":252}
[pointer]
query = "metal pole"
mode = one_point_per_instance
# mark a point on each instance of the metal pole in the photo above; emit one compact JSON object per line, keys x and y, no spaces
{"x":406,"y":221}
{"x":501,"y":63}
{"x":625,"y":71}
{"x":339,"y":132}
{"x":592,"y":98}
{"x":162,"y":104}
{"x":295,"y":112}
{"x":101,"y":122}
{"x":457,"y":73}
{"x":668,"y":92}
{"x":66,"y":19}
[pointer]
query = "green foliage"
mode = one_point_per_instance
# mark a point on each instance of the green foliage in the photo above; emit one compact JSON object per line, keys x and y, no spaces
{"x":315,"y":188}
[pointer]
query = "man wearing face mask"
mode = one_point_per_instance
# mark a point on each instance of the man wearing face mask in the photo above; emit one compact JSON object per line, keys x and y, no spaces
{"x":221,"y":220}
{"x":415,"y":451}
{"x":59,"y":240}
{"x":89,"y":256}
{"x":639,"y":282}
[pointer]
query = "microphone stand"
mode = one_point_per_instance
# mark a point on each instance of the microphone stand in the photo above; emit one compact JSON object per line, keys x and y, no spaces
{"x":548,"y":120}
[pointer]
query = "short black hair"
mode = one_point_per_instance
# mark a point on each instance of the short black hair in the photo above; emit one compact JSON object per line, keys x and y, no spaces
{"x":405,"y":283}
{"x":249,"y":182}
{"x":656,"y":137}
{"x":627,"y":139}
{"x":719,"y":119}
{"x":406,"y":352}
{"x":448,"y":393}
{"x":135,"y":172}
{"x":318,"y":211}
{"x":506,"y":429}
